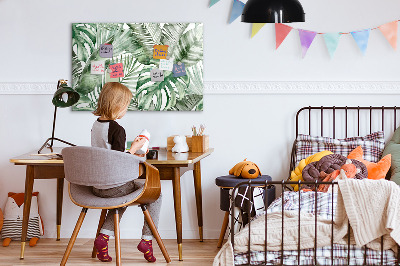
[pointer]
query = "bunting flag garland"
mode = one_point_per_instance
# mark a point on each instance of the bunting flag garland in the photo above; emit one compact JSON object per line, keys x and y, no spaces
{"x":361,"y":37}
{"x":332,"y":41}
{"x":306,"y":39}
{"x":213,"y":2}
{"x":281,"y":31}
{"x":256,"y":28}
{"x":237,"y":8}
{"x":389,"y":30}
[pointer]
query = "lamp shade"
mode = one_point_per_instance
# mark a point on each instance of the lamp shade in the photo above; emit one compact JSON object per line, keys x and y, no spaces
{"x":273,"y":11}
{"x":65,"y":96}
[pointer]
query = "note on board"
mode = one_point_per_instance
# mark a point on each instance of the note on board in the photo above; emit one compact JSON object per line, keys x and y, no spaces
{"x":166,"y":64}
{"x":160,"y":51}
{"x":106,"y":50}
{"x":117,"y":70}
{"x":179,"y":70}
{"x":156,"y":75}
{"x":97,"y":67}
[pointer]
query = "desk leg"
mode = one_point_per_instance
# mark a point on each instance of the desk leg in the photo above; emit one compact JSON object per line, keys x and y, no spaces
{"x":27,"y":206}
{"x":60,"y":190}
{"x":176,"y":182}
{"x":199,"y":204}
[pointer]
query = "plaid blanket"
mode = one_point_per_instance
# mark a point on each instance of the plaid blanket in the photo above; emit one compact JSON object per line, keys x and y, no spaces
{"x":323,"y":205}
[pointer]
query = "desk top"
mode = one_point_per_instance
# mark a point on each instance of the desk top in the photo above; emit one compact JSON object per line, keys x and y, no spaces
{"x":164,"y":157}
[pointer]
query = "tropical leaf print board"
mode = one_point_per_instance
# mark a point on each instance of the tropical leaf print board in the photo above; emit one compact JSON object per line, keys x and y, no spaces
{"x":108,"y":45}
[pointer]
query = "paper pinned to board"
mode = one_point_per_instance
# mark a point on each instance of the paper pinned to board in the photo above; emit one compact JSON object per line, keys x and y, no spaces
{"x":106,"y":50}
{"x":160,"y":51}
{"x":157,"y":74}
{"x":179,"y":70}
{"x":166,"y":64}
{"x":117,"y":70}
{"x":97,"y":67}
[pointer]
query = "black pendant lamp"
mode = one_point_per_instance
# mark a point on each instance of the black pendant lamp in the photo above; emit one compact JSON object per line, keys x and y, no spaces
{"x":273,"y":11}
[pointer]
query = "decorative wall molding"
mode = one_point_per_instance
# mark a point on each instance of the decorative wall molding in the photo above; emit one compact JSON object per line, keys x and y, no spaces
{"x":250,"y":87}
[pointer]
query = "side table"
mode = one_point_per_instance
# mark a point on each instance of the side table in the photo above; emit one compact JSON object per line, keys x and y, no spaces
{"x":226,"y":183}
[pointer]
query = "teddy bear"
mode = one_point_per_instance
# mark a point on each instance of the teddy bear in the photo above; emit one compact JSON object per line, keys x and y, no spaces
{"x":13,"y":215}
{"x":180,"y":144}
{"x":245,"y":169}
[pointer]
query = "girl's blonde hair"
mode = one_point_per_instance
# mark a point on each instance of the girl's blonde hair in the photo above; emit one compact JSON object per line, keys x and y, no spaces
{"x":113,"y":98}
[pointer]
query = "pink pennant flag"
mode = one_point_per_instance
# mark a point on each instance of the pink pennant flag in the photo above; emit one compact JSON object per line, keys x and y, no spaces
{"x":306,"y":39}
{"x":281,"y":31}
{"x":389,"y":30}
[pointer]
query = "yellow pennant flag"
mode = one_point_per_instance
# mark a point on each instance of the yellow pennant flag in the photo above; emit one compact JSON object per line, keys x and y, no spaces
{"x":256,"y":28}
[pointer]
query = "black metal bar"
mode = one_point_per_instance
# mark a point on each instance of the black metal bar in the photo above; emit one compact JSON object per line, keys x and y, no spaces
{"x":383,"y":118}
{"x":315,"y":222}
{"x":309,"y":120}
{"x":365,"y":255}
{"x":249,"y":220}
{"x":370,"y":119}
{"x":266,"y":221}
{"x":283,"y":210}
{"x":346,"y":120}
{"x":348,"y":242}
{"x":298,"y":226}
{"x":381,"y":250}
{"x":233,"y":218}
{"x":358,"y":121}
{"x":395,"y":118}
{"x":322,"y":121}
{"x":333,"y":189}
{"x":334,"y":108}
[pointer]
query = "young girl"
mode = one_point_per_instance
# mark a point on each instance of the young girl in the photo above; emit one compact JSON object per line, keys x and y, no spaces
{"x":107,"y":133}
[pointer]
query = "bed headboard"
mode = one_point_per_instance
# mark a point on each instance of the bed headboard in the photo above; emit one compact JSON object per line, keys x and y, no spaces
{"x":344,"y":121}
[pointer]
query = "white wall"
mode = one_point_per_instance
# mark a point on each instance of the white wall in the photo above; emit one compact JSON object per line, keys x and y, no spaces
{"x":35,"y":43}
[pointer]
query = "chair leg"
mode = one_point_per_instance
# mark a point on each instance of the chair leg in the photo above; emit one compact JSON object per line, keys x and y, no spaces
{"x":73,"y":237}
{"x":154,"y":230}
{"x":101,"y":222}
{"x":117,"y":239}
{"x":223,"y":229}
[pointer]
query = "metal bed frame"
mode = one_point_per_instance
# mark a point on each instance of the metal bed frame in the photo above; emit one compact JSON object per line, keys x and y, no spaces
{"x":283,"y":184}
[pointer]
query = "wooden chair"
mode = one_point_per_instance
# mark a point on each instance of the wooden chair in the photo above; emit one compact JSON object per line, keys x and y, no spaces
{"x":85,"y":167}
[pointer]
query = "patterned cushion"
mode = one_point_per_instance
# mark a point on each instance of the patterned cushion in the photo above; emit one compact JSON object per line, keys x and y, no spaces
{"x":372,"y":144}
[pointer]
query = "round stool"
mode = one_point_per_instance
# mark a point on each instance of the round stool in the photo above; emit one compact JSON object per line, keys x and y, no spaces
{"x":228,"y":182}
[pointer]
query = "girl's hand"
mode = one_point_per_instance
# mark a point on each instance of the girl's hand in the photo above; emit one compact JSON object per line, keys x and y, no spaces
{"x":142,"y":155}
{"x":137,"y":144}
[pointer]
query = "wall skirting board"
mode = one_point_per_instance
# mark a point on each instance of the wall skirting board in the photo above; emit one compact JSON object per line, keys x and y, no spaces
{"x":250,"y":87}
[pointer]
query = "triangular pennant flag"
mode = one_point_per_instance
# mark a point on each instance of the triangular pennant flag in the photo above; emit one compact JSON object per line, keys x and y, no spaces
{"x":213,"y":2}
{"x":361,"y":37}
{"x":237,"y":9}
{"x":332,"y":41}
{"x":306,"y":39}
{"x":390,"y":32}
{"x":281,"y":31}
{"x":256,"y":28}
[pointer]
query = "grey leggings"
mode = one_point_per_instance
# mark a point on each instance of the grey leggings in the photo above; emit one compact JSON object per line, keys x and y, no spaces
{"x":154,"y":208}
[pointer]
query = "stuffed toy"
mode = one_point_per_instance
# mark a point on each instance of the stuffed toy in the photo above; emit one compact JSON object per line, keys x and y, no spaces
{"x":13,"y":215}
{"x":180,"y":144}
{"x":245,"y":169}
{"x":296,"y":174}
{"x":375,"y":170}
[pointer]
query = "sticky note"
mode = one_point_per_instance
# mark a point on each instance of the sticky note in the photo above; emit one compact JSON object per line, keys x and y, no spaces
{"x":106,"y":50}
{"x":160,"y":51}
{"x":166,"y":64}
{"x":179,"y":70}
{"x":156,"y":74}
{"x":117,"y":70}
{"x":97,"y":67}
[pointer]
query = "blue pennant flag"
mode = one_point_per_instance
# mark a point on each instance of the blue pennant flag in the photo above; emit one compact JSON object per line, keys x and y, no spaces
{"x":361,"y":37}
{"x":213,"y":2}
{"x":332,"y":41}
{"x":237,"y":9}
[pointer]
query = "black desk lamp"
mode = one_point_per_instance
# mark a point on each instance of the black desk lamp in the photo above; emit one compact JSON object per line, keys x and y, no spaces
{"x":273,"y":11}
{"x":63,"y":97}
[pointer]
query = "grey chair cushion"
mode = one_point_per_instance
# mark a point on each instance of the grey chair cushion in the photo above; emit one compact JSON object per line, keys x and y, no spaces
{"x":83,"y":196}
{"x":99,"y":167}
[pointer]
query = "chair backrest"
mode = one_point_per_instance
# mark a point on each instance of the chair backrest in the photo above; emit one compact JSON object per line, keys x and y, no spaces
{"x":92,"y":166}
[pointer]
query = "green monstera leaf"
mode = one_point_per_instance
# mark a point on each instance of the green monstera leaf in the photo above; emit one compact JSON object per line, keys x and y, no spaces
{"x":83,"y":39}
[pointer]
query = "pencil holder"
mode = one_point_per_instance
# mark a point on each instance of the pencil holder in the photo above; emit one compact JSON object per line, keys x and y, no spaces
{"x":200,"y":143}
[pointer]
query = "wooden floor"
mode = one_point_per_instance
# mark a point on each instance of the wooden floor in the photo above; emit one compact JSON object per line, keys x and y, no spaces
{"x":50,"y":252}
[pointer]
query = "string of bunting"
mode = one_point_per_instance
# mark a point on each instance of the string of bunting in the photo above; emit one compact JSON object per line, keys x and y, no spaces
{"x":361,"y":37}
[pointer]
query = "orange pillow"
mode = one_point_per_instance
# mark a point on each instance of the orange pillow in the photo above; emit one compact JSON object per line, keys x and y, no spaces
{"x":375,"y":170}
